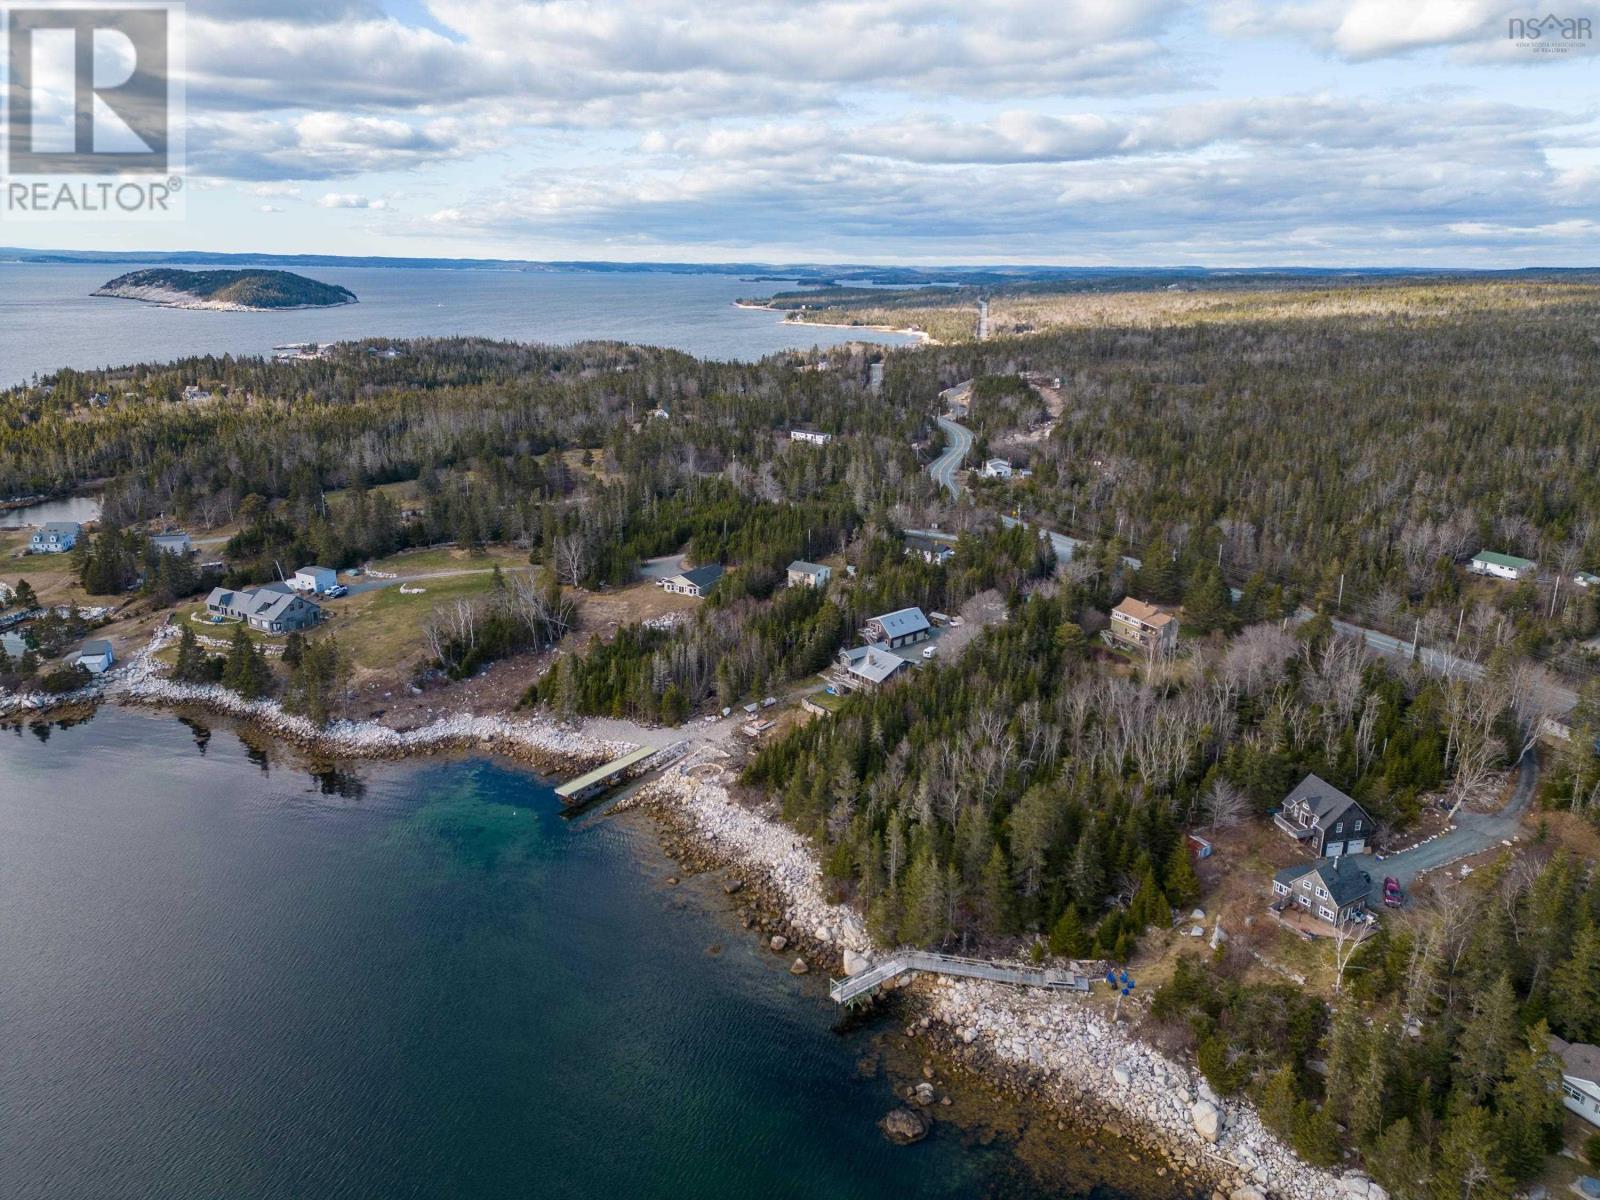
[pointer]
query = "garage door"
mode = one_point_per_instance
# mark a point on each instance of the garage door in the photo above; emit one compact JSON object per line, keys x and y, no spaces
{"x":1355,"y":846}
{"x":1333,"y":849}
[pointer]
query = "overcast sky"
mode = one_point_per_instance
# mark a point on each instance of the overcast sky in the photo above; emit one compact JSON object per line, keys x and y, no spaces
{"x":1318,"y":132}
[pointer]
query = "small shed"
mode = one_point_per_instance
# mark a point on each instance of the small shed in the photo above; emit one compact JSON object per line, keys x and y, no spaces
{"x":96,"y":657}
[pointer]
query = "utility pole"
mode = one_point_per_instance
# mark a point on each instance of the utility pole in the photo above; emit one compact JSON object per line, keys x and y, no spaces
{"x":1460,"y":620}
{"x":1339,"y":603}
{"x":1554,"y":592}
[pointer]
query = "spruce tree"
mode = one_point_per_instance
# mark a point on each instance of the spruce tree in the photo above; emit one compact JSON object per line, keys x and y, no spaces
{"x":1575,"y":989}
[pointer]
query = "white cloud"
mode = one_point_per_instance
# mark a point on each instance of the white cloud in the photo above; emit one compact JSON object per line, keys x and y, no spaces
{"x":349,"y":200}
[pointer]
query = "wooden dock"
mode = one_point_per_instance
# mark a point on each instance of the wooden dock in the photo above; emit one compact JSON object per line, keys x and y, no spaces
{"x":864,"y":983}
{"x":590,"y":784}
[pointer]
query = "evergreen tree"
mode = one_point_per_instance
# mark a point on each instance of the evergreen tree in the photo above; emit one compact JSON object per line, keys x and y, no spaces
{"x":1401,"y":1162}
{"x":1468,"y":1165}
{"x":1068,"y":939}
{"x":1181,"y":885}
{"x":1207,"y":603}
{"x":1529,"y":1106}
{"x":1575,"y":989}
{"x":191,"y":666}
{"x":1487,"y":1040}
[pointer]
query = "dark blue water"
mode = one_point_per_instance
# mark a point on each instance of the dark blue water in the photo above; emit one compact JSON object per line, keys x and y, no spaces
{"x":49,"y":320}
{"x":224,"y":975}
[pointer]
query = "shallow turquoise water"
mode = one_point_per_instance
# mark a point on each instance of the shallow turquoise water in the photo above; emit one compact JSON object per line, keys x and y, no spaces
{"x":225,"y":977}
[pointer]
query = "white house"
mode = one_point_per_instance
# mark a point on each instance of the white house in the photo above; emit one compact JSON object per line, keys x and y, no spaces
{"x":810,"y":435}
{"x":1580,"y":1077}
{"x":1501,"y":566}
{"x":1586,"y":579}
{"x":55,"y":537}
{"x":693,"y":583}
{"x":996,"y":468}
{"x":96,"y":657}
{"x":809,"y":574}
{"x":173,"y":543}
{"x":317,"y":581}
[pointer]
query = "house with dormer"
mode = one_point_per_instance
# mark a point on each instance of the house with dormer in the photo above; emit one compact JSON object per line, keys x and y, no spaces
{"x":1324,"y":820}
{"x":1333,"y":890}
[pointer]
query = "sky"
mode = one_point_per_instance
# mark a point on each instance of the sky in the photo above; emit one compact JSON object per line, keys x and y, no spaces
{"x":1128,"y":132}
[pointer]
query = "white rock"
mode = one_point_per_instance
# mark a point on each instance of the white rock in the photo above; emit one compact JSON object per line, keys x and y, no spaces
{"x":1207,"y":1120}
{"x":1246,"y":1193}
{"x":855,"y":962}
{"x":1120,"y":1074}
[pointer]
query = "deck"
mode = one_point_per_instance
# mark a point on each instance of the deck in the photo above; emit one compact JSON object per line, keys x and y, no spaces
{"x":864,"y":983}
{"x":592,"y":783}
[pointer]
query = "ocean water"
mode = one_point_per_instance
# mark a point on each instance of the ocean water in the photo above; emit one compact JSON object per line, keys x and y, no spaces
{"x":49,"y":319}
{"x":226,"y":974}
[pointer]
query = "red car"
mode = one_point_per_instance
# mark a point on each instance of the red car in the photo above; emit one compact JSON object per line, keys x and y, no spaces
{"x":1393,"y":897}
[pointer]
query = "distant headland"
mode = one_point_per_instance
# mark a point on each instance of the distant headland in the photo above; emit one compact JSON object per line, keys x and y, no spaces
{"x":237,"y":291}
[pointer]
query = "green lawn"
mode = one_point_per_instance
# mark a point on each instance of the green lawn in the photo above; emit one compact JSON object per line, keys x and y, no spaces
{"x":384,"y":628}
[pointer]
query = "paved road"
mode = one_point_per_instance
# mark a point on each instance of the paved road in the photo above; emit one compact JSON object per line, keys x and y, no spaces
{"x":944,"y":468}
{"x":1474,"y":833}
{"x":1557,"y":698}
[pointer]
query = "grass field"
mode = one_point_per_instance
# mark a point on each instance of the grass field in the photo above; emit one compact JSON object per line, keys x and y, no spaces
{"x":450,"y":558}
{"x":383,"y":629}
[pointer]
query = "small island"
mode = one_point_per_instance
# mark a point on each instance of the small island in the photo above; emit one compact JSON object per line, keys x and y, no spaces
{"x":236,"y":291}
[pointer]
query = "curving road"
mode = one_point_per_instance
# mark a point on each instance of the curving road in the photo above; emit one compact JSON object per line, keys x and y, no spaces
{"x":944,"y":468}
{"x":1474,"y":833}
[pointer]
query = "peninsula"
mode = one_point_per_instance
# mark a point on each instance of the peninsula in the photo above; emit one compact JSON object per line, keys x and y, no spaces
{"x":236,"y":291}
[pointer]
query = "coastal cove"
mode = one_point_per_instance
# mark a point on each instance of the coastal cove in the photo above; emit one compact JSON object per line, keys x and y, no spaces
{"x":51,"y":320}
{"x":247,"y":973}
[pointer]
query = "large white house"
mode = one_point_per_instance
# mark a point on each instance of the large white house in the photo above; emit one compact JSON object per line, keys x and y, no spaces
{"x":814,"y":436}
{"x":55,"y":537}
{"x":1580,"y":1077}
{"x":996,"y":468}
{"x":808,"y":574}
{"x":173,"y":543}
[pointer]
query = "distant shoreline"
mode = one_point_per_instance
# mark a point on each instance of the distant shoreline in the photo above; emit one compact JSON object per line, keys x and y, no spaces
{"x":791,"y":317}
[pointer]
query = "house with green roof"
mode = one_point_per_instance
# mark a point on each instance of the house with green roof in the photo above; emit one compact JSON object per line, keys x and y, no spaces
{"x":1501,"y":566}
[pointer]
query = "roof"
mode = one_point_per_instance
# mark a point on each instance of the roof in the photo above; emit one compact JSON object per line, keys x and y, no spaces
{"x":61,"y":527}
{"x":1495,"y":559}
{"x":871,"y":663}
{"x":902,"y":622}
{"x":702,"y":577}
{"x":1344,"y":879}
{"x":179,"y":536}
{"x":1327,"y":803}
{"x":807,"y":568}
{"x":92,"y":649}
{"x":1138,"y":610}
{"x":270,"y":600}
{"x":1578,"y":1059}
{"x":316,"y":571}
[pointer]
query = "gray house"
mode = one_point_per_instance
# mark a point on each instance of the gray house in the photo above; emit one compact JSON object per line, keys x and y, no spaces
{"x":694,"y":583}
{"x":1334,"y":890}
{"x":903,"y":627}
{"x":1324,"y":819}
{"x":270,"y":608}
{"x":808,"y":574}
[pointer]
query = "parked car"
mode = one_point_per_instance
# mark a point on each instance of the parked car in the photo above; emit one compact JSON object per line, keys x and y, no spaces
{"x":1393,"y":897}
{"x":337,"y":590}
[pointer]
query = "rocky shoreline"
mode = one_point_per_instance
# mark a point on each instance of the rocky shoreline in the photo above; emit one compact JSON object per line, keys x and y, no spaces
{"x":544,"y":745}
{"x":1036,"y":1045}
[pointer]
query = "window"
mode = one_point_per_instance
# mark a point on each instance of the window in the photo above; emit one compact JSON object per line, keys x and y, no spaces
{"x":1279,"y":888}
{"x":1304,"y":901}
{"x":1325,"y":913}
{"x":1339,"y":827}
{"x":1358,"y":825}
{"x":1322,"y":893}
